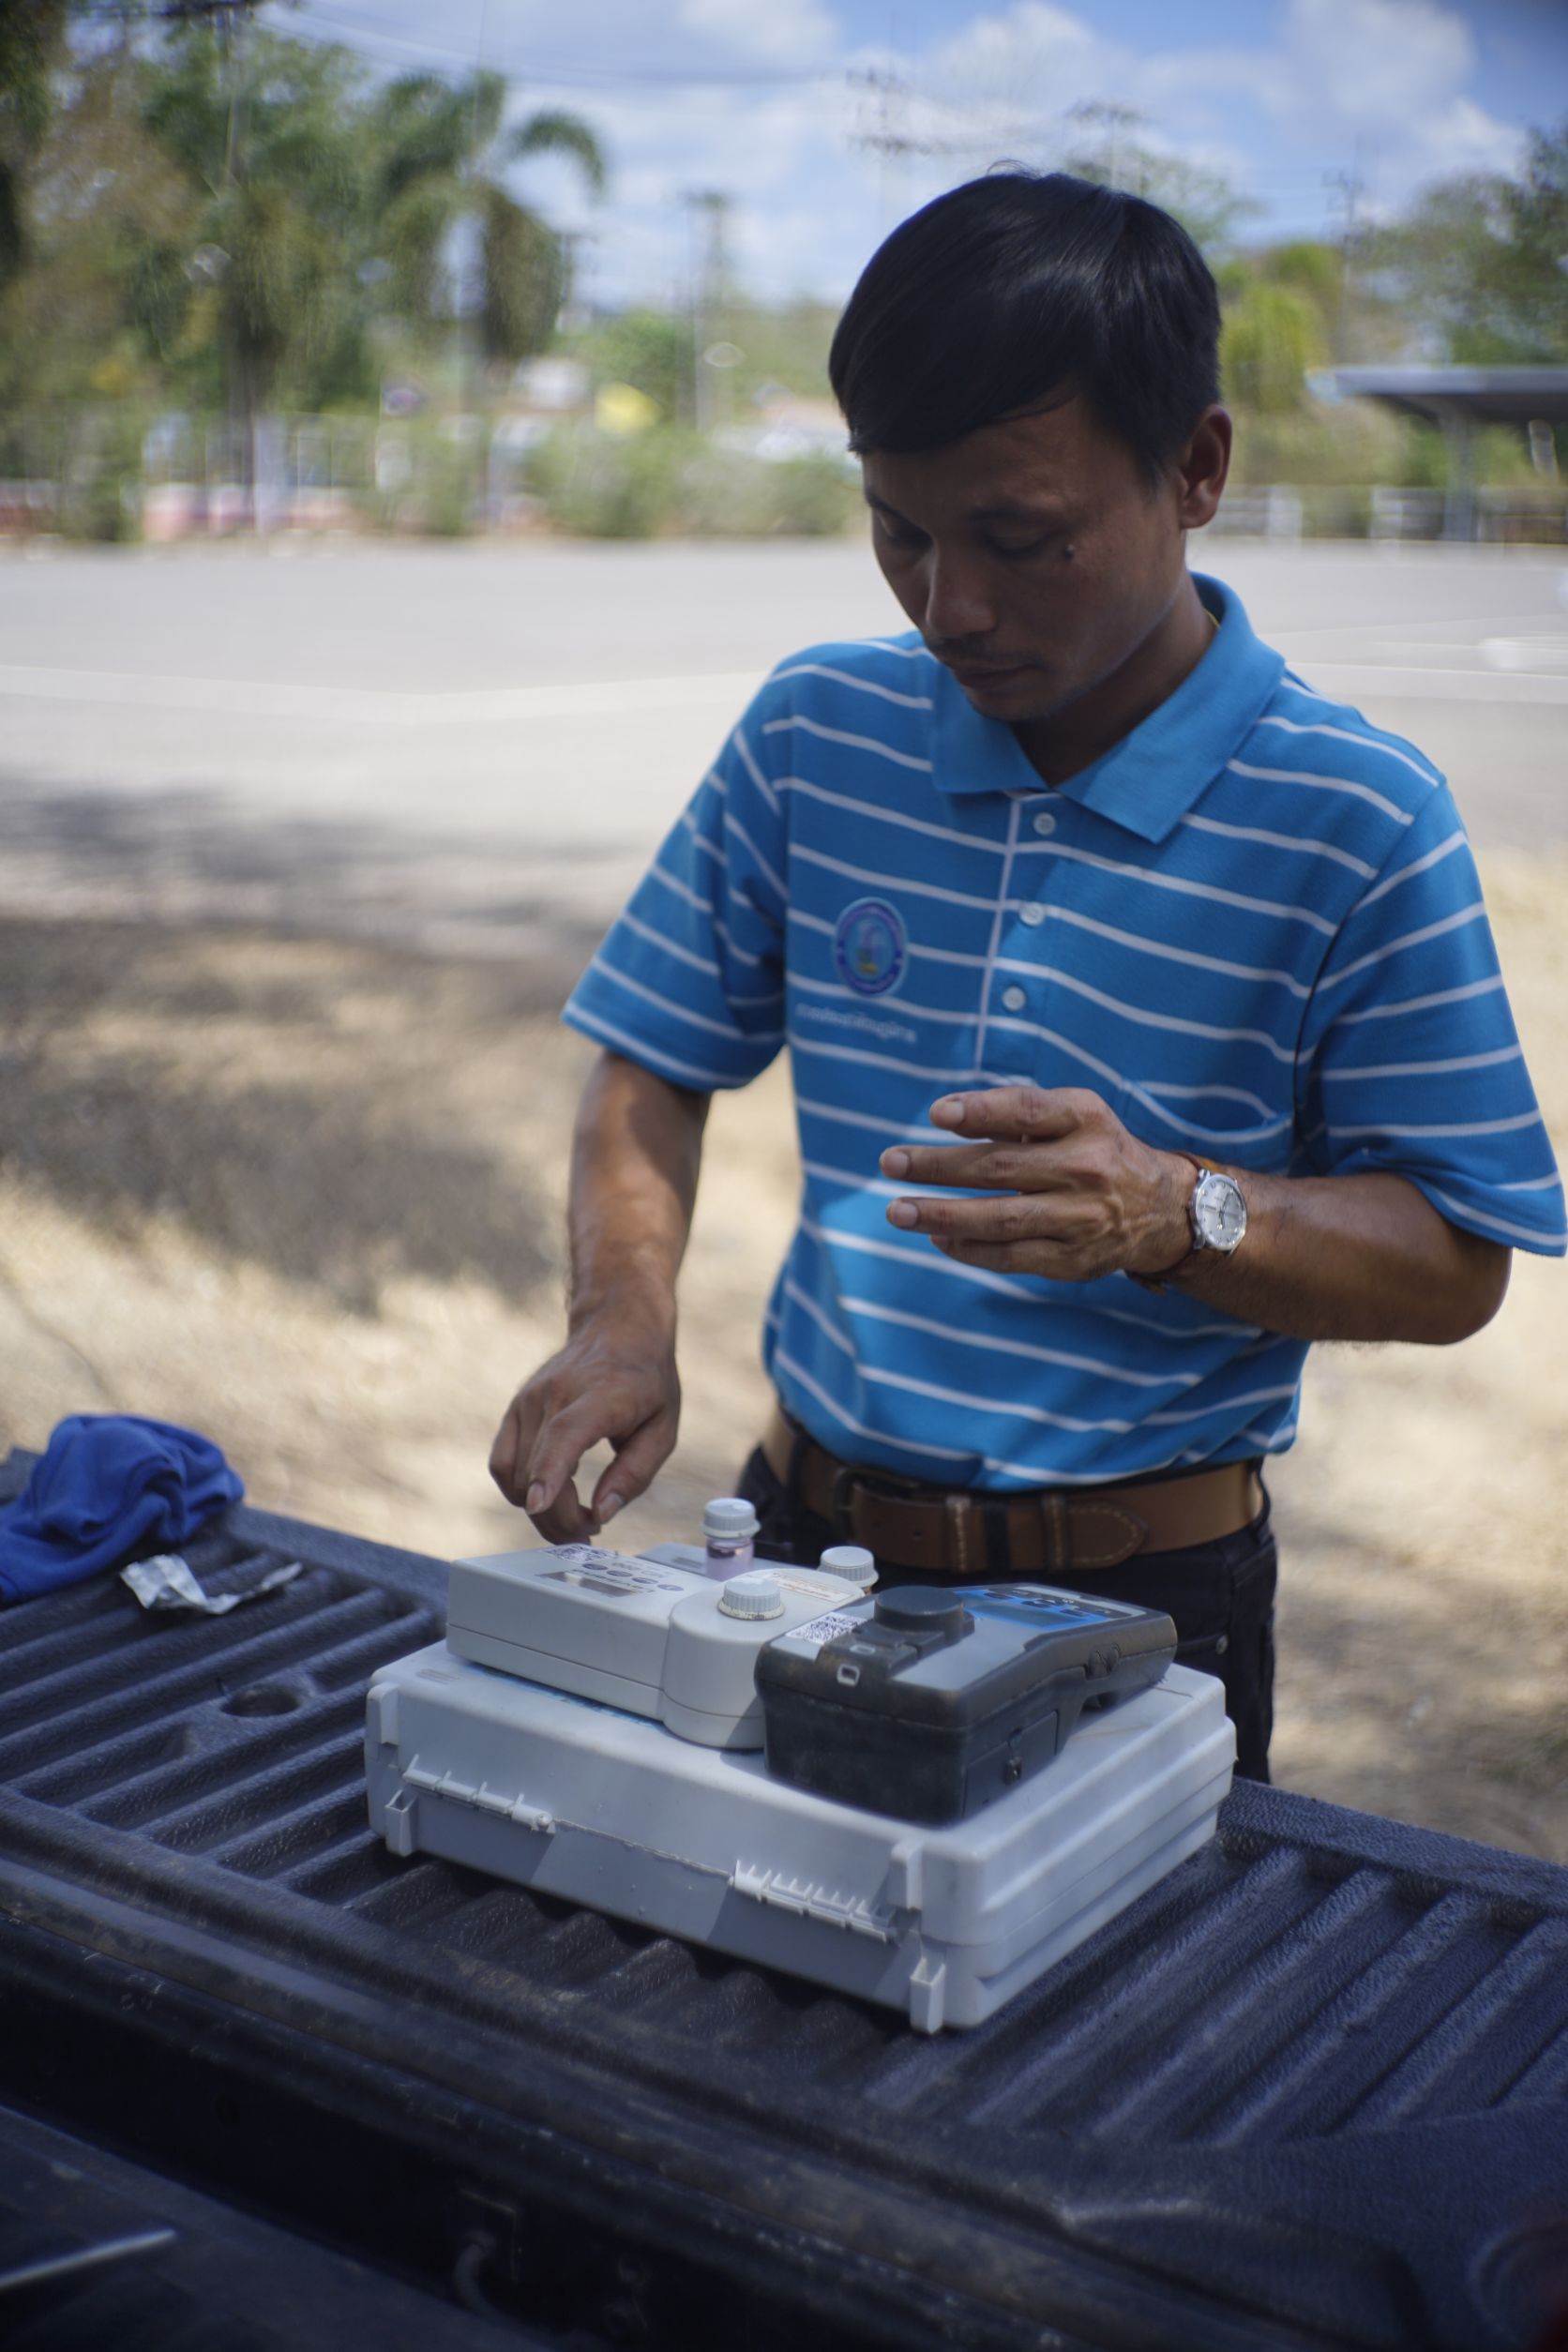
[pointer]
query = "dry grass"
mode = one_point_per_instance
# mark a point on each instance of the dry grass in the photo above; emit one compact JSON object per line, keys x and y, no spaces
{"x":305,"y":1195}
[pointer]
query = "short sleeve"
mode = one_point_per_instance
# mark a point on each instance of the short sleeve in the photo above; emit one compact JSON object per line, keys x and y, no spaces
{"x":691,"y":979}
{"x":1411,"y":1061}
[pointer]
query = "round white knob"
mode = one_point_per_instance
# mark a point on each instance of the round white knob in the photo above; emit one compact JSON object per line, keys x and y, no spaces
{"x":851,"y":1563}
{"x":755,"y":1595}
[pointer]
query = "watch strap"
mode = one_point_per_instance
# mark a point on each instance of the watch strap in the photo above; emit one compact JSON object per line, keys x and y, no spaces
{"x":1158,"y":1282}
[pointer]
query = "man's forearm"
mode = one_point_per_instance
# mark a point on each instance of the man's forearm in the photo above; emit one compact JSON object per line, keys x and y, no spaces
{"x":1360,"y":1256}
{"x":636,"y":1153}
{"x":1073,"y":1195}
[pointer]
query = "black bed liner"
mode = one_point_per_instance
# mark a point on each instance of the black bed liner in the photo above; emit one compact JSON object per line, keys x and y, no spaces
{"x":1310,"y":2091}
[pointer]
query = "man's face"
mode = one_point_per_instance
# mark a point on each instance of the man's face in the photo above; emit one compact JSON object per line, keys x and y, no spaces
{"x":1033,"y":556}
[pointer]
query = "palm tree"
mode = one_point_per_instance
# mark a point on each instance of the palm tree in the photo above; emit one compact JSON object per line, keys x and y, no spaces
{"x":267,"y":133}
{"x":444,"y":148}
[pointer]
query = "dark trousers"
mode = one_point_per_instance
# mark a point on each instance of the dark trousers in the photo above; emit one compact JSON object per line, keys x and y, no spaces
{"x":1220,"y":1596}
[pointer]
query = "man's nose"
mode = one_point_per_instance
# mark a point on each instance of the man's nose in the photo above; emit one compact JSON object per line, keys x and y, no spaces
{"x":959,"y":603}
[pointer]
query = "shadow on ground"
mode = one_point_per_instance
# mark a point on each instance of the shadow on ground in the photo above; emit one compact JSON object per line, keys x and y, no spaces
{"x":319,"y":1108}
{"x":200,"y":857}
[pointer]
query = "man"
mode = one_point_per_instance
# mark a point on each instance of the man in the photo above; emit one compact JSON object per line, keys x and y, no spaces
{"x":1144,"y":1018}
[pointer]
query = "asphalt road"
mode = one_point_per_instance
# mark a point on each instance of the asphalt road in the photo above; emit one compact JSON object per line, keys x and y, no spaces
{"x":479,"y":745}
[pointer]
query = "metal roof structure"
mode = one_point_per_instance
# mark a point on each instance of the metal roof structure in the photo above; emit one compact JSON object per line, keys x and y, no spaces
{"x":1459,"y":400}
{"x":1472,"y":395}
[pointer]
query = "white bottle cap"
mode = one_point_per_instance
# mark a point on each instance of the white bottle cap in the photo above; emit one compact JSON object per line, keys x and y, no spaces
{"x":729,"y":1520}
{"x":755,"y":1594}
{"x":851,"y":1563}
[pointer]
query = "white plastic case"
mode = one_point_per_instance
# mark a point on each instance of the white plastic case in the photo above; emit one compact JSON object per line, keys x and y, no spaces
{"x":579,"y":1800}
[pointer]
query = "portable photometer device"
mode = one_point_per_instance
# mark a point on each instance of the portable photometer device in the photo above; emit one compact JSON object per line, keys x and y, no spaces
{"x":929,"y":1702}
{"x":643,"y":1634}
{"x":884,"y":1793}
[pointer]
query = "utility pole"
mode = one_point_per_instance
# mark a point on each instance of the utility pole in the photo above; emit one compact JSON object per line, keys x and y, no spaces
{"x":227,"y":19}
{"x":1345,"y":192}
{"x":883,"y":133}
{"x":1115,"y":127}
{"x":709,"y":279}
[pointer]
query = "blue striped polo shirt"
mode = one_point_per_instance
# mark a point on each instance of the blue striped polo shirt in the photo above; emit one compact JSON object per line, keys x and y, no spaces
{"x":1253,"y":928}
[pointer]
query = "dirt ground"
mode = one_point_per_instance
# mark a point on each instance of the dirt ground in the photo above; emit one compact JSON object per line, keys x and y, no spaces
{"x":305,"y":1195}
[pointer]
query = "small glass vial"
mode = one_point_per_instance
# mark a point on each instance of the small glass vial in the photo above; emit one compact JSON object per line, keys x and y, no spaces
{"x":730,"y":1530}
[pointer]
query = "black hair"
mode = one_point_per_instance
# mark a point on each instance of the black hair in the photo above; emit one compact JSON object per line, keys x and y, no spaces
{"x":1022,"y":285}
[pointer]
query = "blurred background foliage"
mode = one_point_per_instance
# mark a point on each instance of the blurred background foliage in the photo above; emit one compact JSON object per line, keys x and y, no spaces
{"x":205,"y":222}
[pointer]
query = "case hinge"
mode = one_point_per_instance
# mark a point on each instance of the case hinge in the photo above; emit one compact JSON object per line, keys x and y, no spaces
{"x":482,"y":1798}
{"x":816,"y":1902}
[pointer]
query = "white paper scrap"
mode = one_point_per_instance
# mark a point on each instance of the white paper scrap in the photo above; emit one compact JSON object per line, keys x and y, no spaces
{"x":166,"y":1582}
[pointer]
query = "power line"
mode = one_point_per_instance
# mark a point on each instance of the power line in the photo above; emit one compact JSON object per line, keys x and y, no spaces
{"x":562,"y":73}
{"x":571,"y":72}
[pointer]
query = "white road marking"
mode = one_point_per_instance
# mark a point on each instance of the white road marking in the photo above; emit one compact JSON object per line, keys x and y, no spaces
{"x":378,"y":706}
{"x":1531,"y":656}
{"x":1416,"y":683}
{"x":725,"y":694}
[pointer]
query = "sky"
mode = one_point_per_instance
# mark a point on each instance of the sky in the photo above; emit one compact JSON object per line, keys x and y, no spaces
{"x":794,"y":109}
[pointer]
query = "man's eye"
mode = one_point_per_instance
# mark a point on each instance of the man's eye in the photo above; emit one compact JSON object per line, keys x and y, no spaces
{"x":896,"y":535}
{"x":1014,"y":548}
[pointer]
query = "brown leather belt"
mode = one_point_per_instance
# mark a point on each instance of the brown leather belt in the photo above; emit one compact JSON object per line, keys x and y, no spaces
{"x":1049,"y":1532}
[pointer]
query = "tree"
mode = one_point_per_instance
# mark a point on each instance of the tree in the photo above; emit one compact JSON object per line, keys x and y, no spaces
{"x":646,"y":349}
{"x":109,"y":222}
{"x":1108,"y":148}
{"x":1271,"y":336}
{"x":442,"y":151}
{"x":269,"y":135}
{"x":1479,"y":262}
{"x":32,"y":42}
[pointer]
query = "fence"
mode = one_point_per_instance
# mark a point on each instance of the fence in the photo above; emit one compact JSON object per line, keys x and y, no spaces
{"x":95,"y":476}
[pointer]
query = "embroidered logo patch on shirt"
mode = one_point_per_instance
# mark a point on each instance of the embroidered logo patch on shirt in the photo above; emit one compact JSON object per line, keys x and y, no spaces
{"x":871,"y":946}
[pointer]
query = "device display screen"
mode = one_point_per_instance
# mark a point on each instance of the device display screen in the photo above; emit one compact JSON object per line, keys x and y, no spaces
{"x":1047,"y":1613}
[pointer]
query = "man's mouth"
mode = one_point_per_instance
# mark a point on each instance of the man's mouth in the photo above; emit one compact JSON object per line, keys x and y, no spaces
{"x":980,"y":673}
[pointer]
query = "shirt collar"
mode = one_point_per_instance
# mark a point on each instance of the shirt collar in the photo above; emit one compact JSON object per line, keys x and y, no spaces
{"x":1150,"y":779}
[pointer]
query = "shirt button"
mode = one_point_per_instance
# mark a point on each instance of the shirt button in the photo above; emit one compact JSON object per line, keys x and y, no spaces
{"x":1013,"y":999}
{"x":1044,"y":821}
{"x":1032,"y":914}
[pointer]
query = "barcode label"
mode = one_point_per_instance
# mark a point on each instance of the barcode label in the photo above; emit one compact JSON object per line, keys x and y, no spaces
{"x":822,"y":1630}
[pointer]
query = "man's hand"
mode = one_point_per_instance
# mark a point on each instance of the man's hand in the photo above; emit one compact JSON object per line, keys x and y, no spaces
{"x":1080,"y":1196}
{"x":635,"y":1157}
{"x":616,"y":1379}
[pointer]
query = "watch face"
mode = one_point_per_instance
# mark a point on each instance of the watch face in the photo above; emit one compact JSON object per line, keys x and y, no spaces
{"x":1219,"y":1212}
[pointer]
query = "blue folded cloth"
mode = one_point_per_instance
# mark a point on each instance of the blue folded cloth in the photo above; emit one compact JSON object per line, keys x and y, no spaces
{"x":107,"y":1488}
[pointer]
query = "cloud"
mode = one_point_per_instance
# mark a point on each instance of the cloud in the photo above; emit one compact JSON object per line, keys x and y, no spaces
{"x":823,"y":139}
{"x":782,"y":32}
{"x":1380,"y":63}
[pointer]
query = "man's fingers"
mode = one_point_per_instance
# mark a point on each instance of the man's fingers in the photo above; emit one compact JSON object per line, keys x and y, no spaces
{"x":1055,"y":1261}
{"x":999,"y":1167}
{"x":503,"y":1453}
{"x":557,"y":1450}
{"x":514,"y":1441}
{"x":1039,"y":1112}
{"x":566,"y":1521}
{"x":1008,"y":1217}
{"x":637,"y":1464}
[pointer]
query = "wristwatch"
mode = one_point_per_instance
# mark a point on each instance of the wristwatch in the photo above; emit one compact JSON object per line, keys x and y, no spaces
{"x":1217,"y":1216}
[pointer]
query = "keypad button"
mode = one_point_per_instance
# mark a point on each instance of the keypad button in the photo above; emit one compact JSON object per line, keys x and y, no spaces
{"x":1013,"y":999}
{"x":1044,"y":821}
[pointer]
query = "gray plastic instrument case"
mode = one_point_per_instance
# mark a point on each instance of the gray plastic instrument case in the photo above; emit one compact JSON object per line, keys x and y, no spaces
{"x":579,"y":1800}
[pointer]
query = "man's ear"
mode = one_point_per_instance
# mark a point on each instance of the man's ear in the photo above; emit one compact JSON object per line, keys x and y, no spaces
{"x":1202,"y":467}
